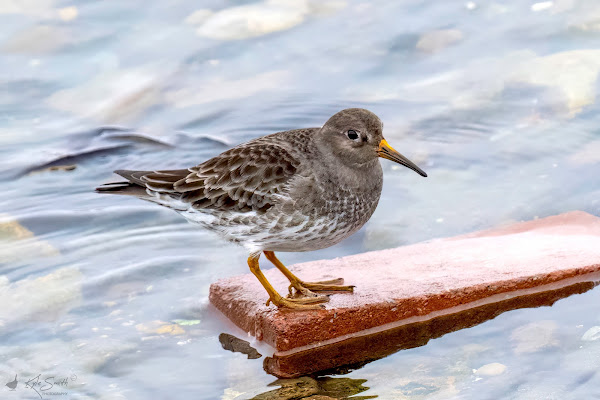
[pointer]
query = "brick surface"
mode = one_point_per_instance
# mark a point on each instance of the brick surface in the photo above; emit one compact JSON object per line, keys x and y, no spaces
{"x":417,"y":280}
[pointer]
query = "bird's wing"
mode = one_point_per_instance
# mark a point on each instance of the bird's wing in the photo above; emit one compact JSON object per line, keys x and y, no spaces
{"x":246,"y":178}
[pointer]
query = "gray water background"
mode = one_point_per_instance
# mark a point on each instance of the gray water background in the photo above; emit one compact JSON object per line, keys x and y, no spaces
{"x":497,"y":101}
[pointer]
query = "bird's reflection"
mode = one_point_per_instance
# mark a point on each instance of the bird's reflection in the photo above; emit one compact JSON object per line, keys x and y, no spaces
{"x":313,"y":388}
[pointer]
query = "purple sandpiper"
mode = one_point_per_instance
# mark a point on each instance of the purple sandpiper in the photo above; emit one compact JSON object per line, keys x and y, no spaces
{"x":298,"y":190}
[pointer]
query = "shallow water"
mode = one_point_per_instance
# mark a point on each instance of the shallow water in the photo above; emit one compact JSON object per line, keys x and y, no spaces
{"x":496,"y":101}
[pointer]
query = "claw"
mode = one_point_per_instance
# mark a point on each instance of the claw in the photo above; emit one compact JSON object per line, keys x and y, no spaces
{"x":298,"y":304}
{"x":325,"y":286}
{"x":337,"y":281}
{"x":309,"y":300}
{"x":299,"y":288}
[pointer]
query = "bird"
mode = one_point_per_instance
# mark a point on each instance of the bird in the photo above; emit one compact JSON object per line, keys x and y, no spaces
{"x":291,"y":191}
{"x":13,"y":384}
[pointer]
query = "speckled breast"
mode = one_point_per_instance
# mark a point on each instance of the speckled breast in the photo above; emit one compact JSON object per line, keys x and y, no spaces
{"x":315,"y":223}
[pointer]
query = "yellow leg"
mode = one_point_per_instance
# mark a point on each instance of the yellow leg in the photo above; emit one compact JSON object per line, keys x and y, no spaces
{"x":300,"y":304}
{"x":307,"y":288}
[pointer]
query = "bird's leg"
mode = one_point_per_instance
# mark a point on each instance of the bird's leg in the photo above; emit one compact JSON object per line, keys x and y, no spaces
{"x":307,"y":303}
{"x":307,"y":288}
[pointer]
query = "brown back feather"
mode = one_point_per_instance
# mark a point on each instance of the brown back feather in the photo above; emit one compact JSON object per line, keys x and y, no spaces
{"x":245,"y":178}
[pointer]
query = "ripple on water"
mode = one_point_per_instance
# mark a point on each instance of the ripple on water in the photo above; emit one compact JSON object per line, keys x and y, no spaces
{"x":497,"y":102}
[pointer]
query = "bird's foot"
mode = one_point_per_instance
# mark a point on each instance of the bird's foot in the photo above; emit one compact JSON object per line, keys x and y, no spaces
{"x":336,"y":282}
{"x":305,"y":296}
{"x":299,"y":303}
{"x":308,"y":289}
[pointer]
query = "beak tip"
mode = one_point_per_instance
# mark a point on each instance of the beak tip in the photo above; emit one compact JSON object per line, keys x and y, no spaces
{"x":386,"y":151}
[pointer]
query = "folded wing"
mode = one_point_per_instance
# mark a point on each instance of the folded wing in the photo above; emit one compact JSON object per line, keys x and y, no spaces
{"x":243,"y":179}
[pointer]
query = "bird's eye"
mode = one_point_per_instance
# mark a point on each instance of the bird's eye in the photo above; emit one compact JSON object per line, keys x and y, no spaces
{"x":352,"y":134}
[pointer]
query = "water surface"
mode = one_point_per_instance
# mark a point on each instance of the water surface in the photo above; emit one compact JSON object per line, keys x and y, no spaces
{"x":497,"y":101}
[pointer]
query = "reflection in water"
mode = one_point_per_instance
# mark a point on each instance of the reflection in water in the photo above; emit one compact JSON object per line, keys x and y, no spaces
{"x":231,"y":343}
{"x":92,"y":145}
{"x":353,"y":353}
{"x":306,"y":387}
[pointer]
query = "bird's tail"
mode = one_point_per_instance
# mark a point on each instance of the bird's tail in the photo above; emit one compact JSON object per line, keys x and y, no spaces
{"x":138,"y":182}
{"x":132,"y":187}
{"x":124,"y":188}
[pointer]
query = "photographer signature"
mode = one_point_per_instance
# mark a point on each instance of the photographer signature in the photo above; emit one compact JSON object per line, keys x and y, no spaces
{"x":44,"y":386}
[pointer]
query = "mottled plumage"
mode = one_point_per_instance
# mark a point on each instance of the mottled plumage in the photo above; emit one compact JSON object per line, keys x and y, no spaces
{"x":297,"y":190}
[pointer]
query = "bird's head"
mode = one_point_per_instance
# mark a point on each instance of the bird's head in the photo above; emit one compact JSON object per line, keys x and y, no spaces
{"x":355,"y":136}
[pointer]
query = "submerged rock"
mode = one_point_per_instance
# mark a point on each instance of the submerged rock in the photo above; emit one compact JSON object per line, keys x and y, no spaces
{"x":161,"y":328}
{"x":34,"y":8}
{"x":434,"y":41}
{"x":566,"y":82}
{"x":219,"y":89}
{"x":253,"y":20}
{"x":117,"y":96}
{"x":591,"y":334}
{"x":38,"y":39}
{"x":541,"y":6}
{"x":412,"y":389}
{"x":198,"y":16}
{"x":491,"y":369}
{"x":258,"y":19}
{"x":534,"y":336}
{"x":68,"y":13}
{"x":585,"y":19}
{"x":589,"y":154}
{"x":422,"y":385}
{"x":42,"y":298}
{"x":19,"y":243}
{"x":573,"y":73}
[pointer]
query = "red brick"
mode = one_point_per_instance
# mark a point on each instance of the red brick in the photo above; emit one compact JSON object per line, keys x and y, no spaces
{"x":417,"y":280}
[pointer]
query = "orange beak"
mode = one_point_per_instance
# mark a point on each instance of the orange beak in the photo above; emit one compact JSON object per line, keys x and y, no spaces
{"x":386,"y":151}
